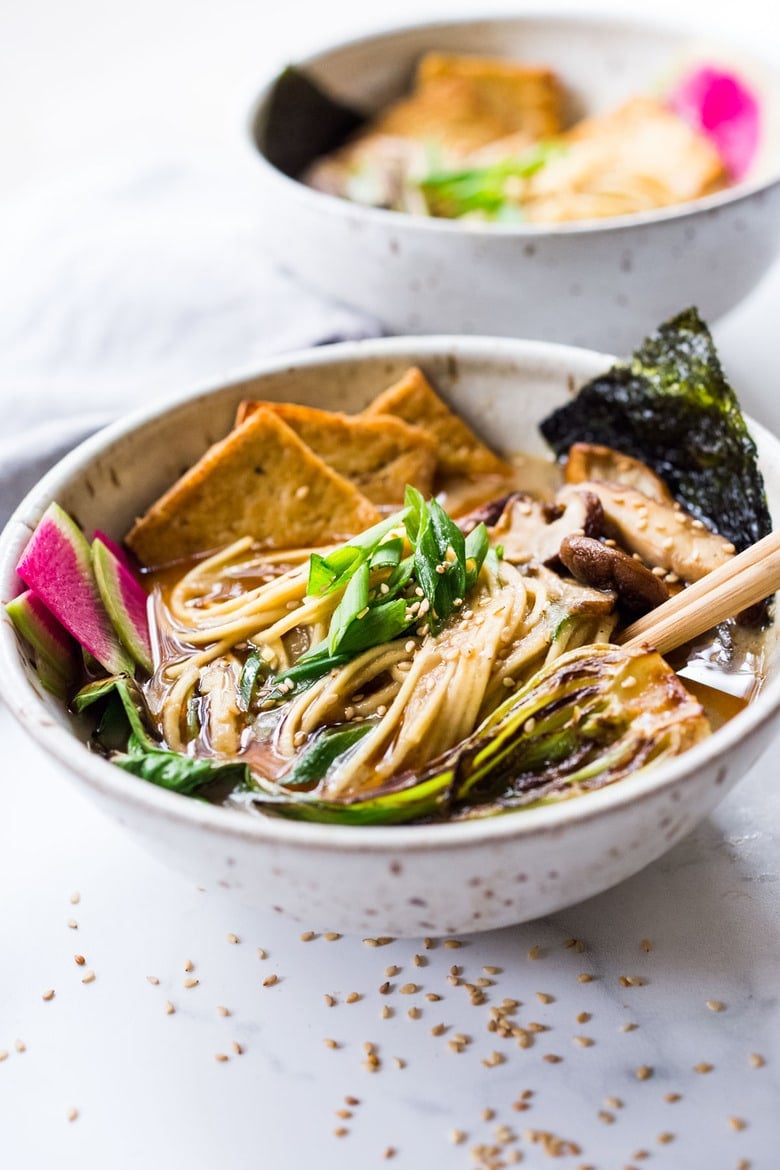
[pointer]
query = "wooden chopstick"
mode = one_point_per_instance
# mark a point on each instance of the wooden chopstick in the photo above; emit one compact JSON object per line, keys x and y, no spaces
{"x":723,"y":593}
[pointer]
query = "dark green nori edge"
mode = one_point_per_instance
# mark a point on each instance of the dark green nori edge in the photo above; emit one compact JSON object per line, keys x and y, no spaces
{"x":302,"y":122}
{"x":671,"y":407}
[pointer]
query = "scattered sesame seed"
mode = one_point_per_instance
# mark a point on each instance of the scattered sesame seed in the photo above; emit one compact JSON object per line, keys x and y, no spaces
{"x":646,"y":945}
{"x":585,"y":977}
{"x":399,"y":1062}
{"x":488,"y":1114}
{"x":606,"y":1117}
{"x":270,"y":980}
{"x":613,"y":1103}
{"x":386,"y":1012}
{"x":352,"y":1101}
{"x":331,"y":936}
{"x":534,"y":952}
{"x":79,"y":960}
{"x":155,"y":982}
{"x":428,"y":943}
{"x":72,"y":923}
{"x":494,"y":1059}
{"x":307,"y":936}
{"x":670,"y":1098}
{"x":432,"y":997}
{"x":543,"y":997}
{"x":72,"y":1114}
{"x":329,"y":1043}
{"x":492,"y":970}
{"x":47,"y":995}
{"x":389,"y":1152}
{"x":262,"y":954}
{"x":353,"y":997}
{"x":643,"y":1072}
{"x":665,"y":1138}
{"x":370,"y":942}
{"x":88,"y":977}
{"x":757,"y":1060}
{"x":169,"y":1008}
{"x":584,"y":1041}
{"x":420,"y":961}
{"x":237,"y":1048}
{"x":231,"y":938}
{"x":452,"y":943}
{"x":628,"y":1027}
{"x":223,"y":1011}
{"x":191,"y":982}
{"x":340,"y":1131}
{"x":189,"y":965}
{"x":583,"y":1017}
{"x":457,"y":1137}
{"x":221,"y":1057}
{"x":551,"y":1058}
{"x":438,"y":1029}
{"x":414,"y":1013}
{"x":330,"y":1000}
{"x":737,"y":1123}
{"x":75,"y":898}
{"x":716,"y":1005}
{"x":344,"y":1114}
{"x":392,"y":970}
{"x":703,"y":1067}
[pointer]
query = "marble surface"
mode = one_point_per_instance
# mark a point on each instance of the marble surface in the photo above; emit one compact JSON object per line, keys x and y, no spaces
{"x":128,"y":269}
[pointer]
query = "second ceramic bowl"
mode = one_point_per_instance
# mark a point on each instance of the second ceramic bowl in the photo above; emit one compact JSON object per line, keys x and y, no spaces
{"x":593,"y":283}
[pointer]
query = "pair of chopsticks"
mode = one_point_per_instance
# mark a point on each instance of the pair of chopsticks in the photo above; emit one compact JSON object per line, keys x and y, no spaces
{"x":723,"y":593}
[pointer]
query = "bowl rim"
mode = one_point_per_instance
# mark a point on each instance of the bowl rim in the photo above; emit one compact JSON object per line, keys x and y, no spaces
{"x":734,"y":194}
{"x":30,"y":710}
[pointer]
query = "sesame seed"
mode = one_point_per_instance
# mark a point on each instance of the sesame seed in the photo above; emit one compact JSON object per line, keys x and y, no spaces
{"x":414,"y":1013}
{"x":340,"y":1131}
{"x":351,"y":1101}
{"x":329,"y":1000}
{"x":584,"y":1041}
{"x":344,"y":1114}
{"x":150,"y":979}
{"x":452,"y":944}
{"x":392,"y":970}
{"x":237,"y":1048}
{"x":221,"y":1057}
{"x":3,"y":1054}
{"x":223,"y":1011}
{"x":386,"y":1011}
{"x":606,"y":1117}
{"x":47,"y":995}
{"x":665,"y":1138}
{"x":585,"y":978}
{"x":169,"y":1008}
{"x":189,"y":965}
{"x":307,"y":936}
{"x":72,"y":1114}
{"x":438,"y":1029}
{"x":583,"y":1017}
{"x":302,"y":492}
{"x":399,"y":1062}
{"x":551,"y":1058}
{"x":628,"y":1027}
{"x":432,"y":997}
{"x":703,"y":1067}
{"x":534,"y":952}
{"x":645,"y":944}
{"x":420,"y":961}
{"x":261,"y":953}
{"x":72,"y":923}
{"x":737,"y":1123}
{"x":716,"y":1005}
{"x":494,"y":1059}
{"x":79,"y":960}
{"x":353,"y":997}
{"x":270,"y":980}
{"x":231,"y":938}
{"x":329,"y":1043}
{"x":384,"y":988}
{"x":191,"y":982}
{"x":671,"y":1098}
{"x":543,"y":997}
{"x":643,"y":1072}
{"x":75,"y":898}
{"x":389,"y":1152}
{"x":457,"y":1137}
{"x":370,"y":942}
{"x":331,"y":936}
{"x":488,"y":1114}
{"x":757,"y":1060}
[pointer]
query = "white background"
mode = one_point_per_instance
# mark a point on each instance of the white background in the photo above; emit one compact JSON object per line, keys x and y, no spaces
{"x":91,"y":89}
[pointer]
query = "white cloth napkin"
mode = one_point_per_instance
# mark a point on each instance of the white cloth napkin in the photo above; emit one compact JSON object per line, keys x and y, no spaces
{"x":123,"y":287}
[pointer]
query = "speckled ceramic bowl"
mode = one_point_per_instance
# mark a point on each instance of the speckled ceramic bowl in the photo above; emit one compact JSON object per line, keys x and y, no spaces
{"x":593,"y":283}
{"x":398,"y":880}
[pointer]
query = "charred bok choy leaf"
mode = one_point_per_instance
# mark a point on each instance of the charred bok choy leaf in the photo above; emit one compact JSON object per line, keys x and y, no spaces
{"x":124,"y":718}
{"x":588,"y":719}
{"x":671,"y":406}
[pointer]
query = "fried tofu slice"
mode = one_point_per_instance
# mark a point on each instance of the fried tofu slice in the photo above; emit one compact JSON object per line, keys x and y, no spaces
{"x":639,"y":157}
{"x":379,"y":455}
{"x":460,"y":452}
{"x":261,"y":481}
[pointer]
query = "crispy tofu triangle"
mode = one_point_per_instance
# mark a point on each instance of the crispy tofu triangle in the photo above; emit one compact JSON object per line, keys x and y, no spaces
{"x":261,"y":481}
{"x":379,"y":455}
{"x":460,"y":452}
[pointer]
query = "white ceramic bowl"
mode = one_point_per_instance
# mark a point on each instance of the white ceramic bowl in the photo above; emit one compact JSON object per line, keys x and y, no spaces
{"x":392,"y":880}
{"x":593,"y":283}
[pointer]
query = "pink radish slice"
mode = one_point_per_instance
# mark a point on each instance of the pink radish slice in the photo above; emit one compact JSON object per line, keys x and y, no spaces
{"x":121,"y":555}
{"x":125,"y":602}
{"x":55,"y":649}
{"x":57,"y":564}
{"x":721,"y":106}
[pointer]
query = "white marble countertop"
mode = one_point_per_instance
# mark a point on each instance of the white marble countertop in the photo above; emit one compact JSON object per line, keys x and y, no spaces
{"x":143,"y":1086}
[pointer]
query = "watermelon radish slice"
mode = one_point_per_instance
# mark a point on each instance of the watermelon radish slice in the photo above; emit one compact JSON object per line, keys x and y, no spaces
{"x":722,"y":107}
{"x":116,"y":549}
{"x":125,"y":601}
{"x":55,"y":651}
{"x":57,"y":564}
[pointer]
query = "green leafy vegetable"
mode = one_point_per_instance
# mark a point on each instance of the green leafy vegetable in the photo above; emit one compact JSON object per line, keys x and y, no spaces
{"x":439,"y":556}
{"x":451,"y":194}
{"x":590,"y":718}
{"x":331,"y":744}
{"x":671,"y":407}
{"x":254,"y":671}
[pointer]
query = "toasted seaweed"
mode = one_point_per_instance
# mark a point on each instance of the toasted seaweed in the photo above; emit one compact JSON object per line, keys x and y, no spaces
{"x":671,"y":406}
{"x":303,"y":122}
